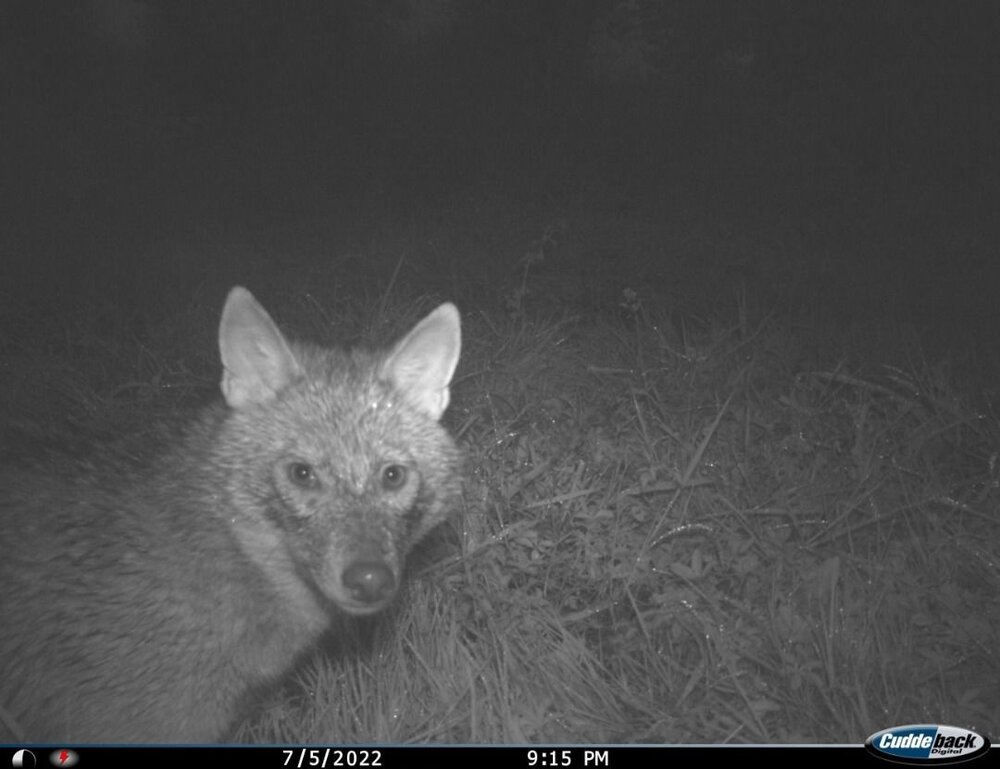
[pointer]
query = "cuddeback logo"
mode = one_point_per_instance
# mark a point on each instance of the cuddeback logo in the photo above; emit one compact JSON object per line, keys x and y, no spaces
{"x":927,"y":743}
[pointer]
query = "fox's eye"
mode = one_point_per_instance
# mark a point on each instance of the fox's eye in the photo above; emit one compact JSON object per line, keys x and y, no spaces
{"x":302,"y":475}
{"x":393,"y":477}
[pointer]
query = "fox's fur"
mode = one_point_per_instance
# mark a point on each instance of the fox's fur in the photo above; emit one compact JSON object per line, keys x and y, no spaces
{"x":146,"y":602}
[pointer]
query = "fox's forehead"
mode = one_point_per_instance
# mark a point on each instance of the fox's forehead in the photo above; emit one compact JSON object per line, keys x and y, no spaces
{"x":349,"y":439}
{"x":354,"y":395}
{"x":348,"y":415}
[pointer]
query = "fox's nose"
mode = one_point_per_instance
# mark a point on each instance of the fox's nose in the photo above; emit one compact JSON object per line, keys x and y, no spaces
{"x":369,"y":582}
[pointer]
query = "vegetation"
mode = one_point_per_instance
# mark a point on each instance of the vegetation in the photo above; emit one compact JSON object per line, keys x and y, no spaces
{"x":728,"y":283}
{"x":678,"y":527}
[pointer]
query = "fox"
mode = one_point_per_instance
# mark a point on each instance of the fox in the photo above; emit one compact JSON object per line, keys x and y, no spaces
{"x":151,"y":600}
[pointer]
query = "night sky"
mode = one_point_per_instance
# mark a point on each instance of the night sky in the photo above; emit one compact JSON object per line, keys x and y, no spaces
{"x":846,"y":149}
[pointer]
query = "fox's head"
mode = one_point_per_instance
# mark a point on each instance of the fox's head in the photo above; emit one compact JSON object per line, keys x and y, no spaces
{"x":339,"y":463}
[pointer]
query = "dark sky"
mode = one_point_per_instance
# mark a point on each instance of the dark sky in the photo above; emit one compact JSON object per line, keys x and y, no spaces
{"x":114,"y":108}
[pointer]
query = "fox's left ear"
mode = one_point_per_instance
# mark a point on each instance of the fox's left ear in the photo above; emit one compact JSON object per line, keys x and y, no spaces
{"x":422,"y":364}
{"x":256,"y":360}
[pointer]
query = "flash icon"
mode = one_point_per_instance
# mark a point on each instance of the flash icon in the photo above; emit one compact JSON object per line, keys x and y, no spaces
{"x":63,"y":757}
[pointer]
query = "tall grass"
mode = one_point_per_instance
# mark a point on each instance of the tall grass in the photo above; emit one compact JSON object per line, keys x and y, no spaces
{"x":677,"y":527}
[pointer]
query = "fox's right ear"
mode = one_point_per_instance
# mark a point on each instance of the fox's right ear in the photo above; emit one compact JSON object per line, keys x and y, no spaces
{"x":256,"y":360}
{"x":422,"y":364}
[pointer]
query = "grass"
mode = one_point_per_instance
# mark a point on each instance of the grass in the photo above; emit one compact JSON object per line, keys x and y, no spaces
{"x":685,"y":544}
{"x":678,"y":527}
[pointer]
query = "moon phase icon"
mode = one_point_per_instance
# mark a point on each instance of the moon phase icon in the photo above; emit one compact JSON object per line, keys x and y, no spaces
{"x":23,"y":758}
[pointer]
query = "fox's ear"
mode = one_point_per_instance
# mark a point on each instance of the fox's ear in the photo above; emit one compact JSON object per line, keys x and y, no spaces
{"x":256,"y":360}
{"x":422,"y":364}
